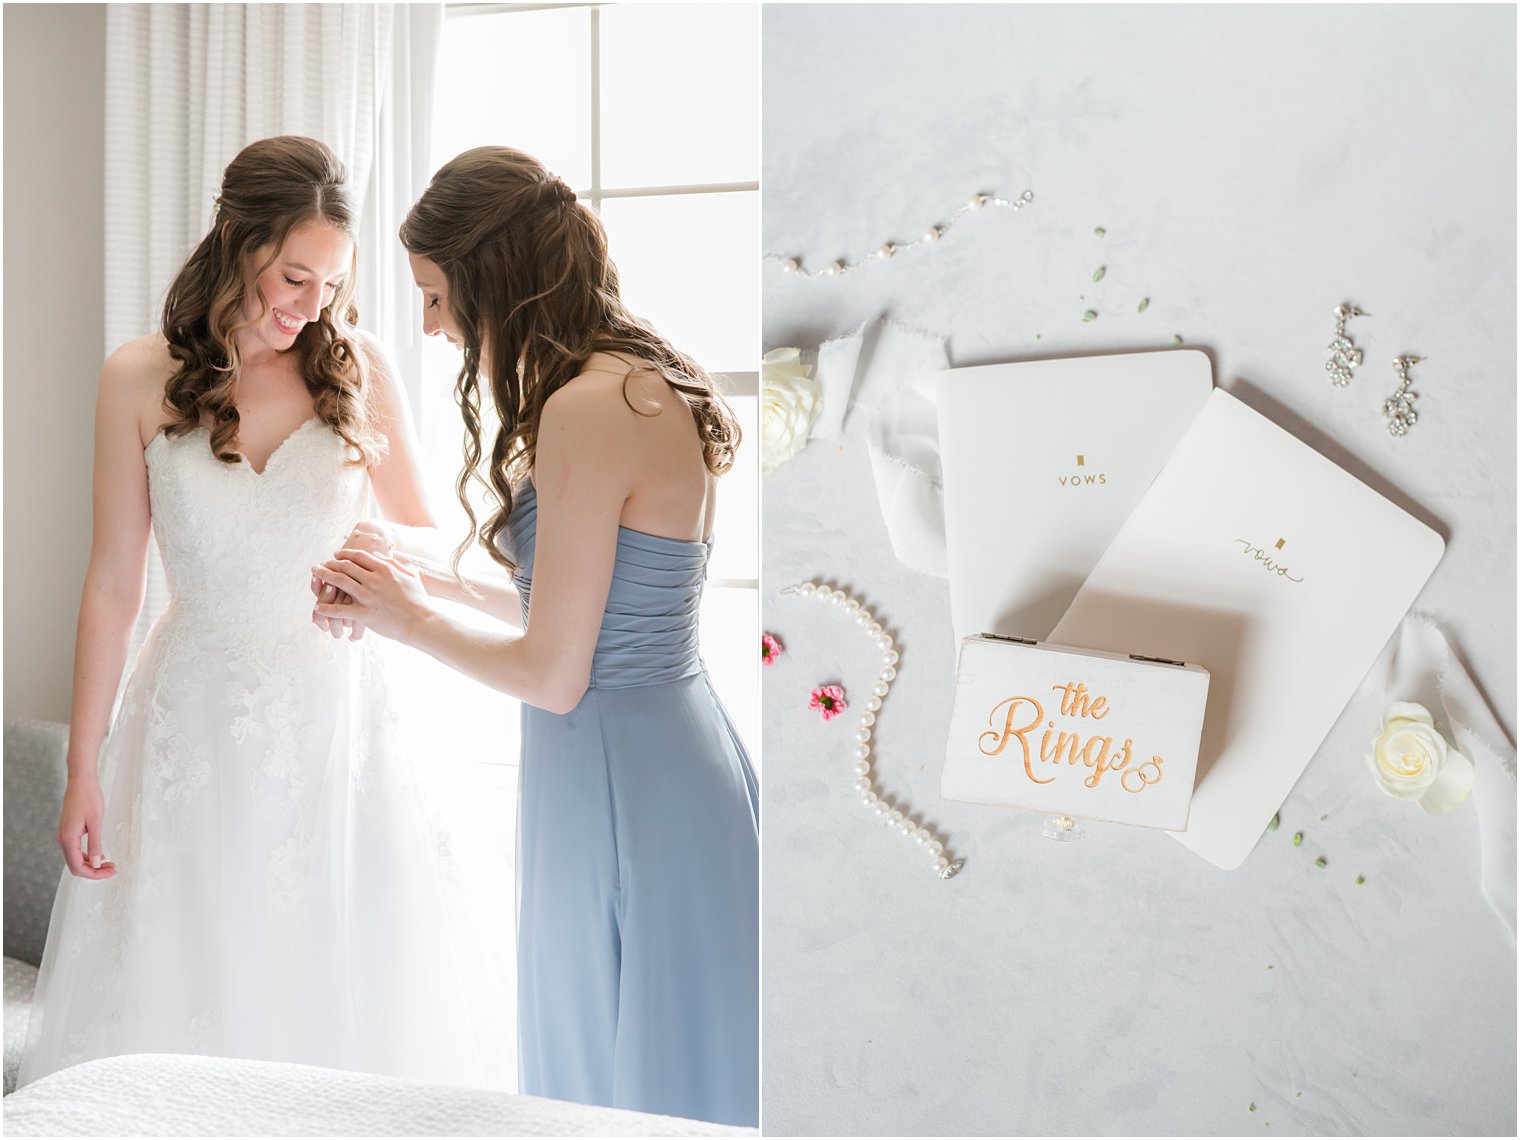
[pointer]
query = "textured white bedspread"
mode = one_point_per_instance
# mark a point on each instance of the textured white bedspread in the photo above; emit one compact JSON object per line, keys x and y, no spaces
{"x":153,"y":1094}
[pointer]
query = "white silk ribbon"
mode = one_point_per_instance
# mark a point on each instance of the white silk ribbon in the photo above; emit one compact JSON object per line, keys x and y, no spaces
{"x":835,"y":373}
{"x":892,"y":380}
{"x":1419,"y":666}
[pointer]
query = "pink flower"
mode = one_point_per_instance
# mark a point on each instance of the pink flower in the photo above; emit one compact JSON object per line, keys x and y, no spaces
{"x":770,"y":648}
{"x":828,"y":700}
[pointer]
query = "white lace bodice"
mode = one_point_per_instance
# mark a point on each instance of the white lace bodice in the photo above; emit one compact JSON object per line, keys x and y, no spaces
{"x":238,"y":546}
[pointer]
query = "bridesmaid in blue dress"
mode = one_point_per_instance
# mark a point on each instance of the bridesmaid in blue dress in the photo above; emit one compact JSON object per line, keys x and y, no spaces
{"x":638,"y":840}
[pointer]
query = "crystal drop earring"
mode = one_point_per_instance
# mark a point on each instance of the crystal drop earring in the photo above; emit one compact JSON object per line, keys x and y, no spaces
{"x":1398,"y":409}
{"x":1344,"y":355}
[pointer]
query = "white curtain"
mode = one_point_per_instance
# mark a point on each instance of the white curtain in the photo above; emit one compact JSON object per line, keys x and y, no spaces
{"x":189,"y":85}
{"x":387,"y":297}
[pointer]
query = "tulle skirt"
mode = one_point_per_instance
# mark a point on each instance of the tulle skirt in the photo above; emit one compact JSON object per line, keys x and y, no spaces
{"x":285,"y":889}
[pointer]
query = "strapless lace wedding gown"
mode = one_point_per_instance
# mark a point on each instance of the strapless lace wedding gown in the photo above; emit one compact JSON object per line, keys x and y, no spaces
{"x":281,"y":891}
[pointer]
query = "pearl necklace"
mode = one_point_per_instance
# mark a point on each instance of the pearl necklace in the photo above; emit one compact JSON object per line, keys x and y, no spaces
{"x":892,"y":814}
{"x":888,"y":249}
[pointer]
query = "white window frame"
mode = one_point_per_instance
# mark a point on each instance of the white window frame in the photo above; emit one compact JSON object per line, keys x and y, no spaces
{"x":740,"y":384}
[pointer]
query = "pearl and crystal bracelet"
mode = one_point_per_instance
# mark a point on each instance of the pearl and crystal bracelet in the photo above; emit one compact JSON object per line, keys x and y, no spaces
{"x":794,"y":266}
{"x":888,"y":811}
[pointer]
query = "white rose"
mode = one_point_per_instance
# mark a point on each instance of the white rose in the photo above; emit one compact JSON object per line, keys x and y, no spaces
{"x":789,"y":406}
{"x":1411,"y":761}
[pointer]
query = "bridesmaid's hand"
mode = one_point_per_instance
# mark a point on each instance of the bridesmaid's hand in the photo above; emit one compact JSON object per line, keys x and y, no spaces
{"x":373,"y":535}
{"x":385,"y":591}
{"x":83,"y":817}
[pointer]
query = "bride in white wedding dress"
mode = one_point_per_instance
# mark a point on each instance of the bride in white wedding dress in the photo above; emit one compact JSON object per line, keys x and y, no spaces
{"x":253,"y":870}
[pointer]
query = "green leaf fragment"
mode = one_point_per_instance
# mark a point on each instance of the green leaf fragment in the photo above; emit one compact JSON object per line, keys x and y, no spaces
{"x":1176,"y":339}
{"x":1089,"y":316}
{"x":1323,"y":818}
{"x":1253,"y":1106}
{"x":1360,"y":880}
{"x":1320,"y":862}
{"x":1145,"y":303}
{"x":1298,"y":837}
{"x":1099,"y":231}
{"x":1273,"y":825}
{"x":1098,"y":273}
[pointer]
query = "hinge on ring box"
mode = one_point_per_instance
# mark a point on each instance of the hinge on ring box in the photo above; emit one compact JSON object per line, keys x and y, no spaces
{"x":1157,"y":660}
{"x":1020,"y":640}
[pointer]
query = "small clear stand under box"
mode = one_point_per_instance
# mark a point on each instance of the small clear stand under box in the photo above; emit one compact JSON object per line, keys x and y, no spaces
{"x":1063,"y":829}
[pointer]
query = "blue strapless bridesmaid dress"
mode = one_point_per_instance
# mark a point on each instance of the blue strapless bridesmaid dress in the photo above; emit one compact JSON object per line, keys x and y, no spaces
{"x":638,"y":860}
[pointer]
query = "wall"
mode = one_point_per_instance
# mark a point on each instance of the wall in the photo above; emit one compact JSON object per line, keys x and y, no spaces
{"x":54,"y":315}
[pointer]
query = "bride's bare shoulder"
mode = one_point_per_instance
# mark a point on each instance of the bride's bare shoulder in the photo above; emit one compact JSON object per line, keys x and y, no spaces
{"x":141,"y":363}
{"x":132,"y":383}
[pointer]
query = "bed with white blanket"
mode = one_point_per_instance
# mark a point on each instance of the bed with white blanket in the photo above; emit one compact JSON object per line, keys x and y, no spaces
{"x":158,"y":1094}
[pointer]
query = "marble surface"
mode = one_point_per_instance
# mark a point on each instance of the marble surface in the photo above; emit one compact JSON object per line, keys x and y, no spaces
{"x":1253,"y":167}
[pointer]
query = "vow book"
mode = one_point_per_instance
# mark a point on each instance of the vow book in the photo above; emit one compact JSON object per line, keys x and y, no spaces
{"x":1280,"y":573}
{"x":1042,"y":461}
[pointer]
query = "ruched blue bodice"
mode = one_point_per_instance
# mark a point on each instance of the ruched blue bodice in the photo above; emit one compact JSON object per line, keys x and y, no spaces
{"x":649,"y":630}
{"x":638,"y":903}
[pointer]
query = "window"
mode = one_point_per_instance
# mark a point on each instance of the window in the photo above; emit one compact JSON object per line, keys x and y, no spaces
{"x":651,"y":113}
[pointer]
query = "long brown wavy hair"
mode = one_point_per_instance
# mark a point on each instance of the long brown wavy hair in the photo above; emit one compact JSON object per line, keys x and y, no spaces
{"x":270,"y":188}
{"x":534,"y":295}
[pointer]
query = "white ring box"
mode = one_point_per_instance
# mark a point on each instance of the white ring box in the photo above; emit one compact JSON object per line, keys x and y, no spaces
{"x":1076,"y":732}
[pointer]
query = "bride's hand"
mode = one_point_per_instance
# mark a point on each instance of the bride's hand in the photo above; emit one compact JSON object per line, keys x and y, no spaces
{"x":373,"y":535}
{"x":386,"y":592}
{"x":84,"y":810}
{"x":337,"y":627}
